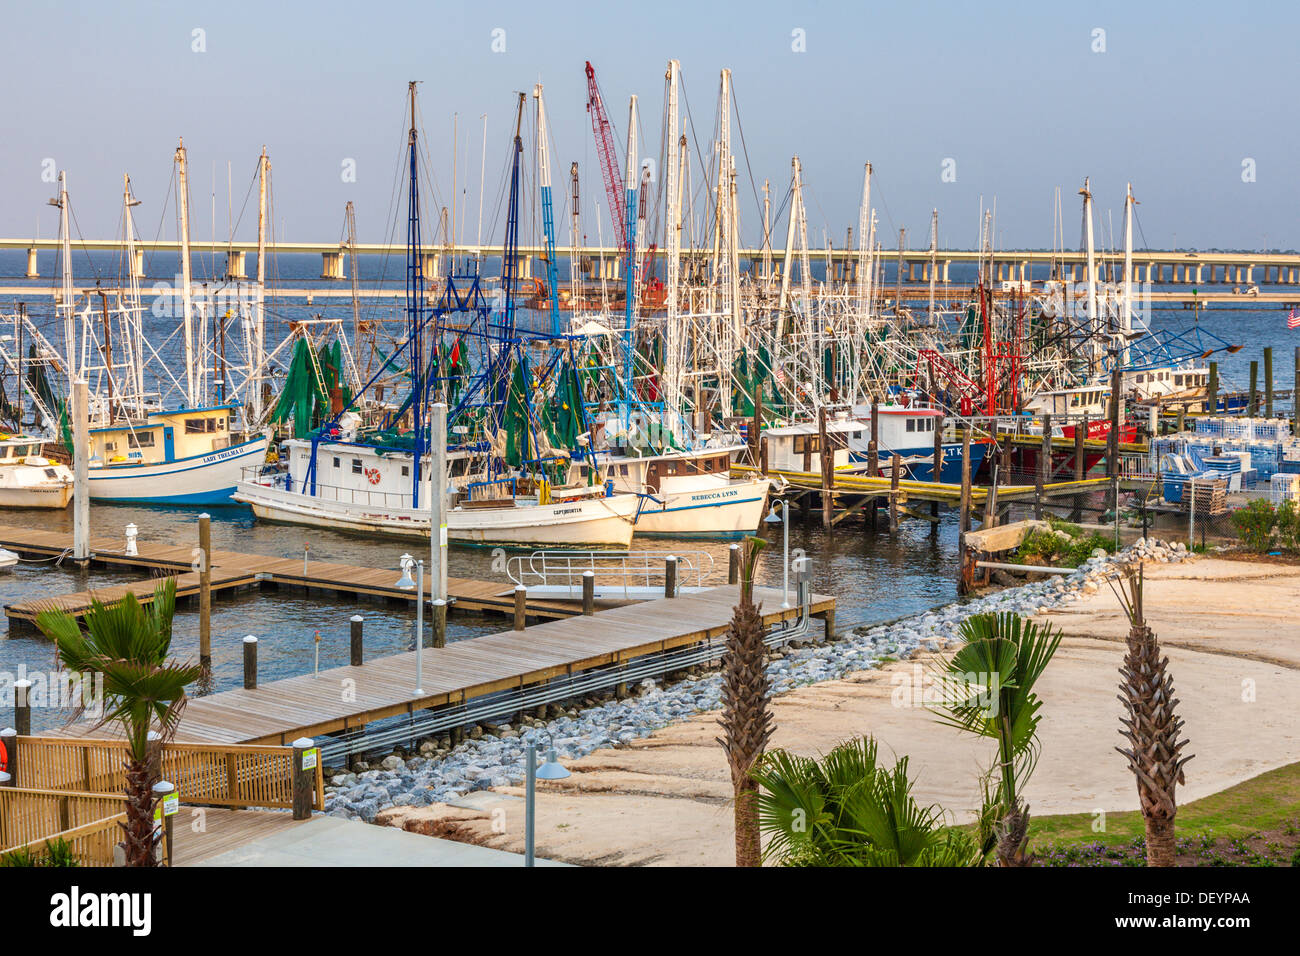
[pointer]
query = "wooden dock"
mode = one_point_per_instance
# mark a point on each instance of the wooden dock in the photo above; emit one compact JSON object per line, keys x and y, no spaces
{"x":348,"y":697}
{"x":233,"y":570}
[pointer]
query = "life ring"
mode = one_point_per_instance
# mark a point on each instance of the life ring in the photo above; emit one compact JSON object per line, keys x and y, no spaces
{"x":372,"y":475}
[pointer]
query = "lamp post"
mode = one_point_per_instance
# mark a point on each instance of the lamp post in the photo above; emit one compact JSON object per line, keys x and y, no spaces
{"x":785,"y":546}
{"x":406,"y":584}
{"x":552,"y":769}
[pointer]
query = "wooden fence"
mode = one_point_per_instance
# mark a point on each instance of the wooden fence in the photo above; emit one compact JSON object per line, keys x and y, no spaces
{"x":91,"y":843}
{"x":28,"y":814}
{"x":213,"y":774}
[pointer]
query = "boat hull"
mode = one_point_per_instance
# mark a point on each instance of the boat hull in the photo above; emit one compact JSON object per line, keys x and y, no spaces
{"x":198,"y":480}
{"x":919,"y":461}
{"x":53,"y":496}
{"x":733,"y":509}
{"x":592,"y":522}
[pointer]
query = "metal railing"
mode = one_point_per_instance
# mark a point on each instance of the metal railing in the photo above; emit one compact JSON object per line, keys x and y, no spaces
{"x":505,"y":703}
{"x":282,"y":481}
{"x":627,"y":574}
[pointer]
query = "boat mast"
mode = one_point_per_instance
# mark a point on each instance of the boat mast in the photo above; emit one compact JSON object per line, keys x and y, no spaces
{"x":1126,"y":307}
{"x":864,"y":240}
{"x":672,"y":242}
{"x":415,"y":303}
{"x":1092,"y":265}
{"x":575,"y":240}
{"x":548,"y":212}
{"x":183,"y":198}
{"x":66,"y":303}
{"x":259,"y":322}
{"x":629,"y":284}
{"x":131,"y":308}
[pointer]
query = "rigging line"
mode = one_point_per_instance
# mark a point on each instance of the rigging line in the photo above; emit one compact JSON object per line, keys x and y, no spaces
{"x":740,"y":128}
{"x":699,"y":155}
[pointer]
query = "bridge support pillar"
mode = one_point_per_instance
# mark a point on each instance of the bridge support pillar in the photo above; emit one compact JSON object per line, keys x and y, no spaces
{"x":32,"y":272}
{"x":137,"y":264}
{"x":235,"y":268}
{"x":1250,"y":274}
{"x":431,"y":265}
{"x":331,"y":266}
{"x":946,"y":264}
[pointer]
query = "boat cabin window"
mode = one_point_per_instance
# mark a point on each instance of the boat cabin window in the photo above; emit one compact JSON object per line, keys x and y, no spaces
{"x":806,"y":443}
{"x":110,"y":446}
{"x":336,"y":462}
{"x":356,"y":466}
{"x":406,"y":471}
{"x":140,"y":439}
{"x":911,"y":424}
{"x":622,"y":469}
{"x":51,"y":473}
{"x":198,"y":426}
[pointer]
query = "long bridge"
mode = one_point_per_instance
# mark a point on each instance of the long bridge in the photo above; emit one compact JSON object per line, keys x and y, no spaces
{"x":1149,"y":266}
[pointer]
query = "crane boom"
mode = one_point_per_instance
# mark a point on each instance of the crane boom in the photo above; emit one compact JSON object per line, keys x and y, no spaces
{"x":609,"y":170}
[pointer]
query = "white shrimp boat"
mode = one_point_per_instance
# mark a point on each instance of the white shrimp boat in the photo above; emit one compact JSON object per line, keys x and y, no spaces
{"x":183,"y":457}
{"x":365,"y":489}
{"x":28,"y":480}
{"x":690,"y":494}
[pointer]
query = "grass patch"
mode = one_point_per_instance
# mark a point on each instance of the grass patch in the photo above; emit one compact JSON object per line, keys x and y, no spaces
{"x":1061,"y":550}
{"x":1255,"y":823}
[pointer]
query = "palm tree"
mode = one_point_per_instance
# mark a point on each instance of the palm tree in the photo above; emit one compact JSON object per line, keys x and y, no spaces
{"x":988,"y":690}
{"x":128,"y":643}
{"x":746,"y":712}
{"x":1151,"y":727}
{"x":845,"y":810}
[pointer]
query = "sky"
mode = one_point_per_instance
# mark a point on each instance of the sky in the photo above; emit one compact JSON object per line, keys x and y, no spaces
{"x":958,"y":106}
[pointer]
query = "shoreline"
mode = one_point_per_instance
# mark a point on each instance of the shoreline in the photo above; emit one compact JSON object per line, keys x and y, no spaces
{"x":649,"y":790}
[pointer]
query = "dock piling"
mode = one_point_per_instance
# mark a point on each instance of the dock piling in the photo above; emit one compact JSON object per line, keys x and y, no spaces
{"x":589,"y":592}
{"x":1253,"y":407}
{"x":1044,"y":466}
{"x":357,"y":622}
{"x":894,"y":474}
{"x":205,"y":592}
{"x":965,"y":479}
{"x":670,"y":576}
{"x":1268,"y":381}
{"x":439,"y":623}
{"x":250,"y":662}
{"x":22,"y":707}
{"x":304,"y":777}
{"x":521,"y":607}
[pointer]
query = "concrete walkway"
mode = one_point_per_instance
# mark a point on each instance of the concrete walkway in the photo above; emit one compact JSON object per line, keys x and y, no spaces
{"x":331,"y":841}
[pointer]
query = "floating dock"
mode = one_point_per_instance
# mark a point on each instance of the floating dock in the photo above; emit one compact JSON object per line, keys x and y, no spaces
{"x":233,"y":570}
{"x":349,"y":697}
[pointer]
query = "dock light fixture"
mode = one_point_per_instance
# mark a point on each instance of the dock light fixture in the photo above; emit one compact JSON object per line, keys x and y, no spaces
{"x":406,"y":582}
{"x":552,"y":769}
{"x":419,"y":629}
{"x":784,"y":520}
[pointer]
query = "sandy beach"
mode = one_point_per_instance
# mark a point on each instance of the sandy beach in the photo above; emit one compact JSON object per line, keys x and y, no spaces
{"x":1232,"y":638}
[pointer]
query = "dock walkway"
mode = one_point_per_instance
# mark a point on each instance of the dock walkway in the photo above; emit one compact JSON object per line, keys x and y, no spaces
{"x":232,"y":570}
{"x":344,"y":698}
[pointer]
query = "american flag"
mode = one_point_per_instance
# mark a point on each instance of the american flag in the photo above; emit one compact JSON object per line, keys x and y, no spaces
{"x":1293,"y":320}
